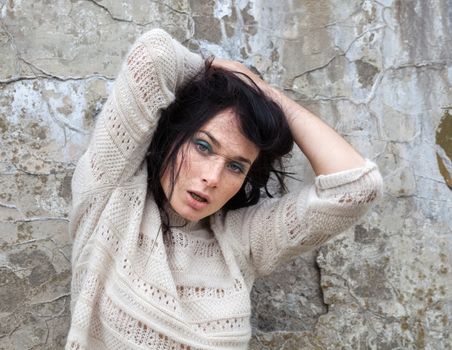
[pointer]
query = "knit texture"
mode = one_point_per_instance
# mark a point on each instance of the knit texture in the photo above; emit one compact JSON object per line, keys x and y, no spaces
{"x":136,"y":287}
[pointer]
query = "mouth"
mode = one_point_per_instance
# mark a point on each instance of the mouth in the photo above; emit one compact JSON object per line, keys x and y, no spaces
{"x":198,"y":197}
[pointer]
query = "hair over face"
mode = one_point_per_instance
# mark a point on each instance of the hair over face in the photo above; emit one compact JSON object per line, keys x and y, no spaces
{"x":212,"y":91}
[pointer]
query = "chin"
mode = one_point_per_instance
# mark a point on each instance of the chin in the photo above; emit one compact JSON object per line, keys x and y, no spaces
{"x":189,"y":214}
{"x":191,"y":217}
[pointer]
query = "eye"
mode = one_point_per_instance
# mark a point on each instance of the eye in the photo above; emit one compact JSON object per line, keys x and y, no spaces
{"x":203,"y":146}
{"x":236,"y":167}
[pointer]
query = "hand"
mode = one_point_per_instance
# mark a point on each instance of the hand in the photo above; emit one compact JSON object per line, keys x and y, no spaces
{"x":326,"y":150}
{"x":235,"y":66}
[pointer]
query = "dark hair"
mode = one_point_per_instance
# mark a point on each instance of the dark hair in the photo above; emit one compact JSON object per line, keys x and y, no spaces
{"x":212,"y":91}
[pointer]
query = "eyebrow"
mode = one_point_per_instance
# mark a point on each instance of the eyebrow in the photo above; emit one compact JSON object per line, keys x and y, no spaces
{"x":218,"y":144}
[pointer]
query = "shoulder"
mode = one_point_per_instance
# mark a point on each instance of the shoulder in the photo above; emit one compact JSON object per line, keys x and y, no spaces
{"x":157,"y":41}
{"x":156,"y":33}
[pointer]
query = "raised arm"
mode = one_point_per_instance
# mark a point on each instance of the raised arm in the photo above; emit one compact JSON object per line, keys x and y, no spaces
{"x":154,"y":68}
{"x":345,"y":187}
{"x":326,"y":150}
{"x":152,"y":71}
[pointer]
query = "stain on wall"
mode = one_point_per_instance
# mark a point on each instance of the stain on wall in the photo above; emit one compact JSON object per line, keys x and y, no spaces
{"x":444,"y":146}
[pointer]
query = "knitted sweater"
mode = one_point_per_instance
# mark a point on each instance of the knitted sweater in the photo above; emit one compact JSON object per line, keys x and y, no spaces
{"x":135,"y":287}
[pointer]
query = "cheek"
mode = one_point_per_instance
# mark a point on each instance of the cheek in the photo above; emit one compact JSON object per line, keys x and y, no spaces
{"x":165,"y":183}
{"x":232,"y":187}
{"x":166,"y":179}
{"x":186,"y":166}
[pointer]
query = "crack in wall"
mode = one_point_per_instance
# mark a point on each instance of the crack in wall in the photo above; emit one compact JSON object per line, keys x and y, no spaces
{"x":118,"y":19}
{"x":41,"y":218}
{"x":107,"y":10}
{"x":50,"y":76}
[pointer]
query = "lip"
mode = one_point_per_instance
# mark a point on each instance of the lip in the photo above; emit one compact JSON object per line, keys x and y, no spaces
{"x":193,"y":203}
{"x":201,"y":194}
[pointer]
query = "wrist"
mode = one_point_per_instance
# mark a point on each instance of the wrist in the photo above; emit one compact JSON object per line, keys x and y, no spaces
{"x":292,"y":110}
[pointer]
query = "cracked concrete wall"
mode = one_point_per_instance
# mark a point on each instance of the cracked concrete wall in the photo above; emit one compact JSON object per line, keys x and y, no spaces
{"x":378,"y":71}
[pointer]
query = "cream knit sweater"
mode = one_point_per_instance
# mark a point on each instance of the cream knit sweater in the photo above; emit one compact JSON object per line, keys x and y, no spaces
{"x":134,"y":287}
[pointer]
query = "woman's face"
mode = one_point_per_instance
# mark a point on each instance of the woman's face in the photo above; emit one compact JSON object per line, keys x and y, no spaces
{"x":213,"y":166}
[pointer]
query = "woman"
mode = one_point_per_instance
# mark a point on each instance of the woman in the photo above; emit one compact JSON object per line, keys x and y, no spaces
{"x":169,"y":232}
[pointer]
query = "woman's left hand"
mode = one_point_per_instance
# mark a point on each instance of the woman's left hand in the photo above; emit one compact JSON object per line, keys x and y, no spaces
{"x":235,"y":66}
{"x":327,"y":151}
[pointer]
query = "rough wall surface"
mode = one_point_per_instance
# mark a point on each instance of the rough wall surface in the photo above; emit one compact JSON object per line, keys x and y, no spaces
{"x":378,"y":71}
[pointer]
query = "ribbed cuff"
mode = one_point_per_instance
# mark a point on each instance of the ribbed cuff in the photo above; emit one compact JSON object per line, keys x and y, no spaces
{"x":324,"y":182}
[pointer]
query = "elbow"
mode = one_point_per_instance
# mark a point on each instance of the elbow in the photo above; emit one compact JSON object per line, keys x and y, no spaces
{"x":370,"y":192}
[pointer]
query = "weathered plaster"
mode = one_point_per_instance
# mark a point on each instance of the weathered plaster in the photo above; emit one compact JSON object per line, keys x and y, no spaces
{"x":380,"y":72}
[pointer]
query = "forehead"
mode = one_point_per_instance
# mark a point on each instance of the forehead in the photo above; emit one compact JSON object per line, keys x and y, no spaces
{"x":225,"y":128}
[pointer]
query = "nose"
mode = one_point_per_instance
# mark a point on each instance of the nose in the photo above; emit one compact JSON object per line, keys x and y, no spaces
{"x":212,"y":172}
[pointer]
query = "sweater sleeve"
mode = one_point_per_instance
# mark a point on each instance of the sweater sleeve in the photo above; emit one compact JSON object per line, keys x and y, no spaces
{"x":278,"y":229}
{"x":154,"y":68}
